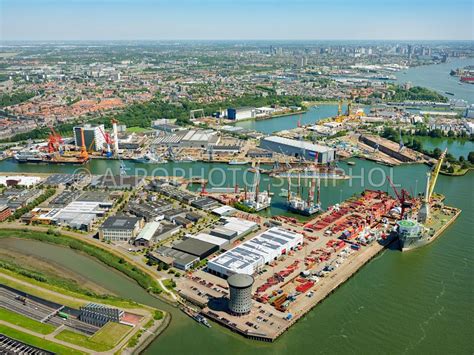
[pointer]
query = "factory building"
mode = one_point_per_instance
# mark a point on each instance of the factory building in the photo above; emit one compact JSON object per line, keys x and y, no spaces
{"x":299,"y":149}
{"x":77,"y":214}
{"x":94,"y":136}
{"x":249,"y":256}
{"x":145,"y":237}
{"x":210,"y":239}
{"x":175,"y":258}
{"x":188,"y":139}
{"x":240,"y":300}
{"x":241,"y":113}
{"x":197,"y":247}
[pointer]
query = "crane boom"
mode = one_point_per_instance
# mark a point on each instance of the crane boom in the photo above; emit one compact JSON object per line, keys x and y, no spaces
{"x":435,"y":173}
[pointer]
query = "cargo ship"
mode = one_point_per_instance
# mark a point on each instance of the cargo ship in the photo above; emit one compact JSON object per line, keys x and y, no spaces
{"x":149,"y":159}
{"x":238,"y":162}
{"x":37,"y":157}
{"x":29,"y":156}
{"x":54,"y":153}
{"x":413,"y":234}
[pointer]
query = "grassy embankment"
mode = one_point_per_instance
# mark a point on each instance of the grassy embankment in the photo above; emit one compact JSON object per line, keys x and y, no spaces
{"x":38,"y":342}
{"x":106,"y":257}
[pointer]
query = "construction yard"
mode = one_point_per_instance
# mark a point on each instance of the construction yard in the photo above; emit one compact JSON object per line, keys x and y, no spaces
{"x":336,"y":245}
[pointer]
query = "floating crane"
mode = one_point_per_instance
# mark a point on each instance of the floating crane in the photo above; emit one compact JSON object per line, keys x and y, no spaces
{"x":431,"y":178}
{"x":403,"y":197}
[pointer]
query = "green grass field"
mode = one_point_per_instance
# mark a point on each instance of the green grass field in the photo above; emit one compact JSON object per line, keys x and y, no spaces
{"x":38,"y":342}
{"x":137,"y":129}
{"x":111,"y":334}
{"x":81,"y":340}
{"x":25,"y":322}
{"x":105,"y":339}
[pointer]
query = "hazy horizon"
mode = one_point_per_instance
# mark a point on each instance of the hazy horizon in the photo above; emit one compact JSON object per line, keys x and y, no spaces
{"x":238,"y":20}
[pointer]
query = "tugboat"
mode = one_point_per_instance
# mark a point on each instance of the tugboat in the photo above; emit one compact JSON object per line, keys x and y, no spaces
{"x":195,"y":315}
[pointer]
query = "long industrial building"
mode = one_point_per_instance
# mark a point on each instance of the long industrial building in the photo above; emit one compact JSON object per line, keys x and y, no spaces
{"x":247,"y":257}
{"x":188,"y":139}
{"x":299,"y":149}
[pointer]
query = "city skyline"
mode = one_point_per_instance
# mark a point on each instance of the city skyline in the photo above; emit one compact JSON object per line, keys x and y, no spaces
{"x":236,"y":20}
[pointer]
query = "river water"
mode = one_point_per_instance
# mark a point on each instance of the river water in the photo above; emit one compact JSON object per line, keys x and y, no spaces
{"x":313,"y":115}
{"x":413,"y":302}
{"x":436,"y":77}
{"x":456,"y":147}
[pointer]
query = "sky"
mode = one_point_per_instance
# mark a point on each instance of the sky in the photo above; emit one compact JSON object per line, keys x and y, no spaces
{"x":236,"y":19}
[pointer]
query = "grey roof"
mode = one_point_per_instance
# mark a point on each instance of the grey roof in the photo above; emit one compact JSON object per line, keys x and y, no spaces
{"x":240,"y":281}
{"x":194,"y":246}
{"x":298,"y":144}
{"x":121,"y":223}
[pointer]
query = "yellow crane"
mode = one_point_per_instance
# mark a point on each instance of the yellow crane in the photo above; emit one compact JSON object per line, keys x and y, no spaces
{"x":434,"y":174}
{"x":431,"y":177}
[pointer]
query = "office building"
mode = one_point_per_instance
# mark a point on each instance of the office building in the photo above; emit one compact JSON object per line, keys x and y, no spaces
{"x":120,"y":228}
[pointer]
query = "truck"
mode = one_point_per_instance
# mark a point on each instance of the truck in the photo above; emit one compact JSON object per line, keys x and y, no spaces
{"x":63,"y":315}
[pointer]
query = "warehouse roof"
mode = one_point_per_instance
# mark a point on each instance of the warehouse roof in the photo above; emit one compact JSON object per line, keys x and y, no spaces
{"x":149,"y":231}
{"x":299,"y":144}
{"x":256,"y":251}
{"x":194,"y":247}
{"x":209,"y":239}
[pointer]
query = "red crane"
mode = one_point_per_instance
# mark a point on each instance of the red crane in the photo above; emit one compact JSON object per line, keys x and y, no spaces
{"x":403,"y":197}
{"x":54,"y":141}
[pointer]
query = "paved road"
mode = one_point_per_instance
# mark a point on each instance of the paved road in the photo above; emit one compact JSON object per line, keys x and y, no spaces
{"x":55,"y":295}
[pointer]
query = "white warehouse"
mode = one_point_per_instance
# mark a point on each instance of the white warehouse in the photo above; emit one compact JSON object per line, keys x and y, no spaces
{"x":249,"y":256}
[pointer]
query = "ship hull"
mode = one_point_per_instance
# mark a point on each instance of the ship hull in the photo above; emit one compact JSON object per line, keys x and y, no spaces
{"x":303,"y":212}
{"x":413,"y":243}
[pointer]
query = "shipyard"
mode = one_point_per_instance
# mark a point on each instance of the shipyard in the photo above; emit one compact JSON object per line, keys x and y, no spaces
{"x":254,"y":274}
{"x":263,"y":194}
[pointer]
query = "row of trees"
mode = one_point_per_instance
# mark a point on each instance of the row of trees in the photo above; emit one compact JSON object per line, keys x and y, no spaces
{"x":416,"y":93}
{"x":415,"y":144}
{"x":15,"y":98}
